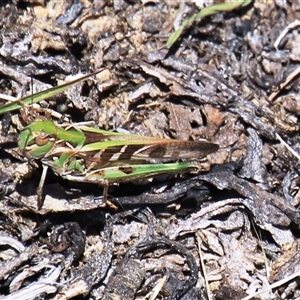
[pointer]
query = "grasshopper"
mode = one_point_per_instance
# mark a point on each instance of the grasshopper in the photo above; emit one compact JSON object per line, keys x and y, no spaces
{"x":86,"y":154}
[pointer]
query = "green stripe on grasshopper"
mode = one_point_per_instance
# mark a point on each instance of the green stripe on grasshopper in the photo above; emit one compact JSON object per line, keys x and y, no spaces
{"x":131,"y":172}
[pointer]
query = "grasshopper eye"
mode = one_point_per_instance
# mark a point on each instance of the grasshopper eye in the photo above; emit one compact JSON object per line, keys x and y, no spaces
{"x":42,"y":138}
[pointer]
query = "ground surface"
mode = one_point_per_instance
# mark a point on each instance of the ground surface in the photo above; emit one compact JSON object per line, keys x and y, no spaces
{"x":225,"y":233}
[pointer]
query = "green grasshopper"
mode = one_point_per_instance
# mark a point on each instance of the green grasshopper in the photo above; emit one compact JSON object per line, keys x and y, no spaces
{"x":86,"y":154}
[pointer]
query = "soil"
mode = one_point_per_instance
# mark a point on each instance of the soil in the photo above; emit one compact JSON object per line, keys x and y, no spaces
{"x":229,"y":231}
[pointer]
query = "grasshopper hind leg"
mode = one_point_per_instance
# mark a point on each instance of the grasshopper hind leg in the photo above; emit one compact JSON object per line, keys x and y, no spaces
{"x":105,"y":196}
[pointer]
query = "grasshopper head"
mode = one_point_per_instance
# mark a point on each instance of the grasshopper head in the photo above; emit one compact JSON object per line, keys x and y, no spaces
{"x":35,"y":144}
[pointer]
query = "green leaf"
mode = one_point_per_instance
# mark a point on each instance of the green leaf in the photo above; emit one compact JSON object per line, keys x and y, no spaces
{"x":37,"y":97}
{"x":207,"y":11}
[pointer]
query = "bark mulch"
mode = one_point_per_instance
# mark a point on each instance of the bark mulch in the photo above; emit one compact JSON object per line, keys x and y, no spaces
{"x":230,"y":231}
